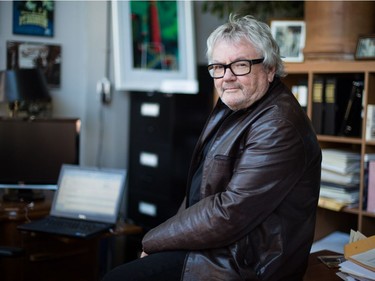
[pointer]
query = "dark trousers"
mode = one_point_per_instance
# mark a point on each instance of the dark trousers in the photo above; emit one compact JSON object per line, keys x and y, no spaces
{"x":156,"y":267}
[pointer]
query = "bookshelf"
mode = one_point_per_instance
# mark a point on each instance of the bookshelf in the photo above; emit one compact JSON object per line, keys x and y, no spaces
{"x":348,"y":218}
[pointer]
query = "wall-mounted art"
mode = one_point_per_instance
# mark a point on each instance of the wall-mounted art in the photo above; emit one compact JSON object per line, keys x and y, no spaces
{"x":154,"y":46}
{"x":36,"y":55}
{"x":33,"y":18}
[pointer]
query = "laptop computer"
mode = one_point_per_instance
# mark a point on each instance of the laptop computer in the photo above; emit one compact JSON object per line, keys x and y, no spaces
{"x":86,"y":202}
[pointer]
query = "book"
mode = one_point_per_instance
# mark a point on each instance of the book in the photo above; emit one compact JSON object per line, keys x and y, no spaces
{"x":336,"y":95}
{"x":366,"y":163}
{"x":318,"y":104}
{"x":330,"y":106}
{"x":352,"y":122}
{"x":370,"y":122}
{"x":300,"y":93}
{"x":371,"y":187}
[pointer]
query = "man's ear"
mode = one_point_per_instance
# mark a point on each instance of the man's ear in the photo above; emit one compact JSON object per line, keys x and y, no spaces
{"x":271,"y":74}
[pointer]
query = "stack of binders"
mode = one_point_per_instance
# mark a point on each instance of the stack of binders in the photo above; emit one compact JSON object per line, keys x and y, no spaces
{"x":337,"y":105}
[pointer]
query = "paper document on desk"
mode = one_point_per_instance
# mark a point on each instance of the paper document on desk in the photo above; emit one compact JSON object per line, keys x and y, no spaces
{"x":356,"y":236}
{"x":346,"y":277}
{"x":367,"y":258}
{"x":361,"y":251}
{"x":357,"y":271}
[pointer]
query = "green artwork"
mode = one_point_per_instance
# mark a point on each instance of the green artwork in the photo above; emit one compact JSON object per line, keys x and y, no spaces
{"x":155,"y":35}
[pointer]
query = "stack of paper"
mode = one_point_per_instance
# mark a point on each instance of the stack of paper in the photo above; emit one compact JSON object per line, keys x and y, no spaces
{"x":360,"y":258}
{"x":340,"y":179}
{"x":352,"y":270}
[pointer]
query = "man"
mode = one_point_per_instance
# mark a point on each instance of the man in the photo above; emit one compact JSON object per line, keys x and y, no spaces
{"x":254,"y":178}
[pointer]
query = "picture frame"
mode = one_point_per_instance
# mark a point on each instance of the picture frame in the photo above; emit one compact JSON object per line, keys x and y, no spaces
{"x":148,"y":59}
{"x":290,"y":35}
{"x":33,"y":18}
{"x":365,"y":49}
{"x":47,"y":57}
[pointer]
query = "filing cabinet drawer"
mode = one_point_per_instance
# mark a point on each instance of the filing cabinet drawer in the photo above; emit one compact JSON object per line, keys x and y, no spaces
{"x":151,"y":117}
{"x":152,"y":157}
{"x":160,"y":117}
{"x":150,"y":210}
{"x":160,"y":165}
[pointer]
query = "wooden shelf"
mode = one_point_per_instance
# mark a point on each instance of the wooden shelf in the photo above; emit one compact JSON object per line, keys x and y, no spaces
{"x":339,"y":139}
{"x":347,"y":218}
{"x":368,"y":214}
{"x":327,"y":66}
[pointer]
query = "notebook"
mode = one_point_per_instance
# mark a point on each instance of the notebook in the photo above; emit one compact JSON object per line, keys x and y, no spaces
{"x":86,"y":197}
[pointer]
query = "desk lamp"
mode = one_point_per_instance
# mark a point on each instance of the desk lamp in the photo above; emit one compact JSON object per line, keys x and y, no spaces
{"x":25,"y":90}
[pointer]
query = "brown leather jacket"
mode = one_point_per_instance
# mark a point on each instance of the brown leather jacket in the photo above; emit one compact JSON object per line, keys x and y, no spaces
{"x":259,"y":192}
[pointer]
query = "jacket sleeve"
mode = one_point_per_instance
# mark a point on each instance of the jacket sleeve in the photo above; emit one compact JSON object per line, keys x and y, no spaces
{"x":271,"y":161}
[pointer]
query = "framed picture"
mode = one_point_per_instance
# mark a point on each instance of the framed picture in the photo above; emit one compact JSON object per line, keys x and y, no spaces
{"x":365,"y":47}
{"x":33,"y":18}
{"x":47,"y":57}
{"x":290,"y":36}
{"x":154,"y":46}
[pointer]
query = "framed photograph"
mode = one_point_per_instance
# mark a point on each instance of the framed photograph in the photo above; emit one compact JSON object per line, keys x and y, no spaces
{"x":36,"y":55}
{"x":33,"y":18}
{"x":154,"y":46}
{"x":290,"y":36}
{"x":365,"y":47}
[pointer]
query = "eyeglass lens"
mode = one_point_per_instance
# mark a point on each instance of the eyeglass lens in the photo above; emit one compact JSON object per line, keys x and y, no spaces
{"x":238,"y":68}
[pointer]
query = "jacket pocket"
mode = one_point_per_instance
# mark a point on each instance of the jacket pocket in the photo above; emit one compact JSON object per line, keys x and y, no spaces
{"x":218,"y":173}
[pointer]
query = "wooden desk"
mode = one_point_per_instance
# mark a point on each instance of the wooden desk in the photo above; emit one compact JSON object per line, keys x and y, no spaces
{"x":318,"y":271}
{"x":55,"y":258}
{"x":48,"y":257}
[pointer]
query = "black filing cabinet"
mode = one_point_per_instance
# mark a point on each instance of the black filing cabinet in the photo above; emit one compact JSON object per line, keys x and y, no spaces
{"x":163,"y":133}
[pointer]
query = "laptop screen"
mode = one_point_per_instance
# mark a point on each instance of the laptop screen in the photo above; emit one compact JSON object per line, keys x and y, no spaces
{"x":89,"y":193}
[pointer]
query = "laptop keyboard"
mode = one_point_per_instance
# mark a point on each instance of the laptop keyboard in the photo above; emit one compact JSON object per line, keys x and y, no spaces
{"x":67,"y":226}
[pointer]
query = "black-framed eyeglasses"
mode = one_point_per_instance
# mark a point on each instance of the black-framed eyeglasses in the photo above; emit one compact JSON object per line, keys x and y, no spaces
{"x":238,"y":68}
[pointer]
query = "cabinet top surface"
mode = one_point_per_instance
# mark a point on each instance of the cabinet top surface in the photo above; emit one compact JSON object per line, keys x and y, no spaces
{"x":330,"y":66}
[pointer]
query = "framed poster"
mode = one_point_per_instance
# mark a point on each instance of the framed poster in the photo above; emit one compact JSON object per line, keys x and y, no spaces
{"x":290,"y":36}
{"x":365,"y":47}
{"x":154,"y":46}
{"x":36,"y":55}
{"x":33,"y":18}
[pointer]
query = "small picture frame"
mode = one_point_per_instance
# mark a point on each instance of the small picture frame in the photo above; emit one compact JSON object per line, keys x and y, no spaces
{"x":365,"y":47}
{"x":47,"y":57}
{"x":290,"y":35}
{"x":34,"y":18}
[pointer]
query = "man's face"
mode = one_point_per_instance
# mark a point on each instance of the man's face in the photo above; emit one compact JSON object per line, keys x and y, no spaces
{"x":239,"y":92}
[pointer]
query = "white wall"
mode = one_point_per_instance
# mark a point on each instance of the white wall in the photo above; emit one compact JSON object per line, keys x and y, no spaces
{"x":81,"y":29}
